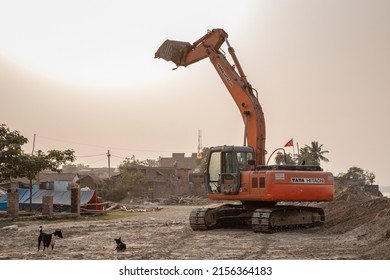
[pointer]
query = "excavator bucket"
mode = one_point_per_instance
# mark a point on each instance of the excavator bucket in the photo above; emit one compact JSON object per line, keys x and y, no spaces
{"x":174,"y":51}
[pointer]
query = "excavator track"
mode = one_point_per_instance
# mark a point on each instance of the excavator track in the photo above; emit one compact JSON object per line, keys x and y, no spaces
{"x":227,"y":215}
{"x":264,"y":219}
{"x":285,"y":218}
{"x":202,"y":219}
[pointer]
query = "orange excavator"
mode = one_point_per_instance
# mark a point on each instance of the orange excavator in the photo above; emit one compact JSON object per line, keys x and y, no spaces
{"x":268,"y":194}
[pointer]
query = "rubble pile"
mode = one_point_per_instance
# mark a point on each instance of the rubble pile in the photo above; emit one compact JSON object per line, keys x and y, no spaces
{"x":186,"y":200}
{"x":364,"y":218}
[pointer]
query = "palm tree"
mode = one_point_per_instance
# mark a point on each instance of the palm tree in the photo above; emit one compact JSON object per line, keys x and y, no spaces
{"x":313,"y":154}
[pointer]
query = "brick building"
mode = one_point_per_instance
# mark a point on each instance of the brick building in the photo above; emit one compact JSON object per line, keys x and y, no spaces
{"x":179,"y":160}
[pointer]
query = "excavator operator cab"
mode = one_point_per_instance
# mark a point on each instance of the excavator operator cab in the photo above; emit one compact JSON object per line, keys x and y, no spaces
{"x":224,"y":165}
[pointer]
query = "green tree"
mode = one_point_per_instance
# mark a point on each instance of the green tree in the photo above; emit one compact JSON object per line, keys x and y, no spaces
{"x":35,"y":163}
{"x":370,"y":177}
{"x":131,"y":177}
{"x":357,"y":173}
{"x":11,"y":143}
{"x":15,"y":163}
{"x":130,"y":173}
{"x":40,"y":161}
{"x":313,"y":154}
{"x":304,"y":157}
{"x":283,"y":158}
{"x":133,"y":161}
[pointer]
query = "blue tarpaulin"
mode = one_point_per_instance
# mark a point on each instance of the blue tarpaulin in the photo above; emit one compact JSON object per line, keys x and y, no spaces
{"x":59,"y":198}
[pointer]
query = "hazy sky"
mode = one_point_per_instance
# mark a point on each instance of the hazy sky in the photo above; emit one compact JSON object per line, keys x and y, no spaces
{"x":82,"y":75}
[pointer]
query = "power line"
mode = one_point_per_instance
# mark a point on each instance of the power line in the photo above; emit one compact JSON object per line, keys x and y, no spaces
{"x":72,"y":142}
{"x":119,"y":157}
{"x":90,"y":156}
{"x":105,"y":147}
{"x":101,"y":159}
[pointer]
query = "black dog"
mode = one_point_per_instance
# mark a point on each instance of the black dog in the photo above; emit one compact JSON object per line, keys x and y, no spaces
{"x":48,"y":239}
{"x":120,"y":246}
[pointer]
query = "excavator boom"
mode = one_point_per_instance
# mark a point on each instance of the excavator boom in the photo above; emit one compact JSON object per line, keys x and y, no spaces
{"x":208,"y":46}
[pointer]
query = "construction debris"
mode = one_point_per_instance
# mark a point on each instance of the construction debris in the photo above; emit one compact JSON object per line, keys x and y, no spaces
{"x":186,"y":199}
{"x":135,"y":209}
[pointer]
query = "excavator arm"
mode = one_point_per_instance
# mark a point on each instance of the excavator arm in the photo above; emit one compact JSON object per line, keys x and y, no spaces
{"x":184,"y":54}
{"x":258,"y":190}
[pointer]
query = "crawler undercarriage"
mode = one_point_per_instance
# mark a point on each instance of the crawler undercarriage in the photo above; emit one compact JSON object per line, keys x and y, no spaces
{"x":265,"y":219}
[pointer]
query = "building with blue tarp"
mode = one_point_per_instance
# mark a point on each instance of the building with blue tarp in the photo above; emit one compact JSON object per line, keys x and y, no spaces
{"x":60,"y":198}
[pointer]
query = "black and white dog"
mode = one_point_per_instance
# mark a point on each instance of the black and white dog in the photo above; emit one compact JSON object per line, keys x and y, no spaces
{"x":48,"y":239}
{"x":120,"y":246}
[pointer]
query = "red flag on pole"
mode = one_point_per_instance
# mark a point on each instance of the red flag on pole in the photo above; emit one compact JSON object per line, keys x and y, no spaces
{"x":290,"y":143}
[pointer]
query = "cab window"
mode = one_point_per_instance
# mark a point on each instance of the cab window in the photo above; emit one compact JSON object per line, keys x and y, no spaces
{"x":242,"y":158}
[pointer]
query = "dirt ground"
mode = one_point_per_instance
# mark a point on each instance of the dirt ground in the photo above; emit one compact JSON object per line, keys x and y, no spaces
{"x":357,"y":227}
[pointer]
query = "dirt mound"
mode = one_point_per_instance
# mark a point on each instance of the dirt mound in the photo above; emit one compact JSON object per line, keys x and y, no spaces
{"x":360,"y":218}
{"x":353,"y":208}
{"x":350,"y":194}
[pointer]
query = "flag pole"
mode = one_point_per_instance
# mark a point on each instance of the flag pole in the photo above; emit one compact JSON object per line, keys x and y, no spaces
{"x":293,"y":147}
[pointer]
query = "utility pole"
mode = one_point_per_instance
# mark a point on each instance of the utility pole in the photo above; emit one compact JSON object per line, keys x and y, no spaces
{"x":109,"y":168}
{"x":32,"y":153}
{"x":33,"y":148}
{"x":200,"y":148}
